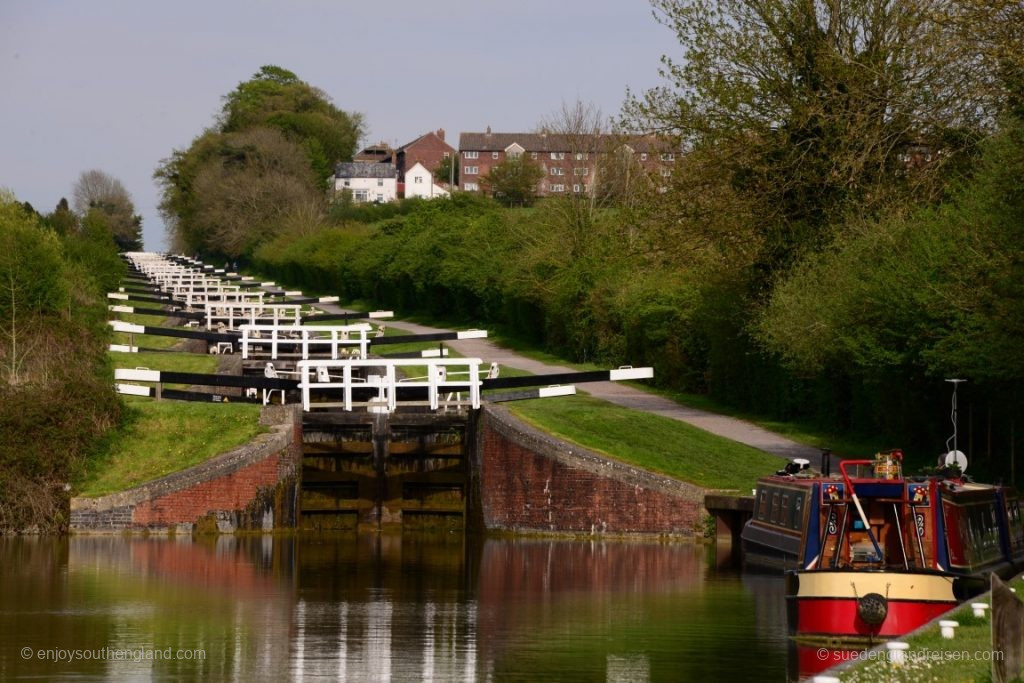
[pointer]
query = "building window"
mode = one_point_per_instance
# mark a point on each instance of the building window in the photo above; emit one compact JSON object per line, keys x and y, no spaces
{"x":360,"y":196}
{"x":348,"y":182}
{"x":556,"y":170}
{"x":494,"y":155}
{"x":643,"y":156}
{"x":582,"y":156}
{"x":471,"y":187}
{"x":577,"y":189}
{"x":380,"y":182}
{"x":580,"y":171}
{"x":471,"y":170}
{"x":417,"y":179}
{"x":668,"y":157}
{"x":471,"y":155}
{"x":558,"y":188}
{"x":665,"y":173}
{"x":533,"y":155}
{"x":558,"y":155}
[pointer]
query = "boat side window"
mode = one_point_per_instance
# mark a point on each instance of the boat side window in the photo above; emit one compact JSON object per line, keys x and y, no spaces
{"x":798,"y":510}
{"x":784,"y":516}
{"x":762,"y":505}
{"x":775,"y":508}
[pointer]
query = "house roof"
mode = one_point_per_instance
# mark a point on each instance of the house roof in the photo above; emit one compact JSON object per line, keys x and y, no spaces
{"x":365,"y":169}
{"x":432,"y":133}
{"x":554,"y":142}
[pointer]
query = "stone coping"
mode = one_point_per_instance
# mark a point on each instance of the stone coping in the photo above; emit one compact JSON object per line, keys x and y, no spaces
{"x":280,"y":419}
{"x":573,"y":455}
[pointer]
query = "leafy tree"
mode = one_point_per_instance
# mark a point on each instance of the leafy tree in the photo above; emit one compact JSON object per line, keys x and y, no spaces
{"x":101,"y":191}
{"x":63,"y":220}
{"x":937,"y":291}
{"x":244,"y":189}
{"x":31,"y":285}
{"x":277,"y":98}
{"x":513,"y":180}
{"x":275,"y":134}
{"x":813,"y":109}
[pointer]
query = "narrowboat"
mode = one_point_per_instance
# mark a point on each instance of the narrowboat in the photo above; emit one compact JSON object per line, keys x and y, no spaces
{"x":871,"y":554}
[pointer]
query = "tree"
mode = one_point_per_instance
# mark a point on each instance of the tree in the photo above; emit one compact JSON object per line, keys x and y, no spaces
{"x":275,"y":134}
{"x":447,"y":172}
{"x":30,"y":285}
{"x":62,"y":220}
{"x":812,"y":109}
{"x":98,"y":190}
{"x":513,"y":180}
{"x":249,"y":191}
{"x":275,"y":97}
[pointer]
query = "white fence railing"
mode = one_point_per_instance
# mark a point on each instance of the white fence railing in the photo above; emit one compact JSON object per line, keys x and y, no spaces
{"x":443,"y":382}
{"x":337,"y":339}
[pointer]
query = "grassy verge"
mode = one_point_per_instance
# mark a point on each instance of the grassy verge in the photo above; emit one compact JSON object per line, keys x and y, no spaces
{"x":649,"y":441}
{"x":169,"y":361}
{"x":932,"y":657}
{"x":158,"y":438}
{"x":148,"y":341}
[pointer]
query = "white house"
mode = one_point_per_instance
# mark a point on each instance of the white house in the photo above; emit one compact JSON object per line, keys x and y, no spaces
{"x":368,"y":181}
{"x":419,"y":182}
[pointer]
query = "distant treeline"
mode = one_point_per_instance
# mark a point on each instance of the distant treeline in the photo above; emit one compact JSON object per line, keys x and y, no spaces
{"x":57,"y":398}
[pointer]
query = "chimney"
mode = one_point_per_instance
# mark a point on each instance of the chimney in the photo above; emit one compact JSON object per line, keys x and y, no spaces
{"x":440,"y":134}
{"x":488,"y":130}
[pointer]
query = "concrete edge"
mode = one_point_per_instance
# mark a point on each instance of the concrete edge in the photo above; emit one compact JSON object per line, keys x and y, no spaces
{"x":280,"y":419}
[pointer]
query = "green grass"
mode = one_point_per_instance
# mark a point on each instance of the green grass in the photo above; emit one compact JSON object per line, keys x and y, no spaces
{"x":649,"y":441}
{"x":170,"y":361}
{"x":148,"y":341}
{"x":932,"y":657}
{"x":158,"y":438}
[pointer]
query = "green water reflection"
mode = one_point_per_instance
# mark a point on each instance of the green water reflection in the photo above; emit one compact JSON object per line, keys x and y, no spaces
{"x":382,"y":608}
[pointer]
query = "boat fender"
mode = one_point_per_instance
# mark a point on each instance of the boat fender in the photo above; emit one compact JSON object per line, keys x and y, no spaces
{"x":872,"y":608}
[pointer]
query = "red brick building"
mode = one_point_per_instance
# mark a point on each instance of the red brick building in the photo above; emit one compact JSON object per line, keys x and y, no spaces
{"x":571,"y":163}
{"x":428,"y":149}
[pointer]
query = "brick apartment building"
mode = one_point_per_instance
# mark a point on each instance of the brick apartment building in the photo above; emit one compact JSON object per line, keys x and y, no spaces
{"x":570,"y":162}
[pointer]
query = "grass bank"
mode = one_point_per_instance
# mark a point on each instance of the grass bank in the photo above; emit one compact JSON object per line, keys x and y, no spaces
{"x":159,"y":438}
{"x":649,"y":441}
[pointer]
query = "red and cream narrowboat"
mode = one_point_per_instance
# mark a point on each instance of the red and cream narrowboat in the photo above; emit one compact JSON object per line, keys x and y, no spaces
{"x":872,"y":554}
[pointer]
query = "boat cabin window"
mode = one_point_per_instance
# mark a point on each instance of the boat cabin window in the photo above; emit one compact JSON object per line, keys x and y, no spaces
{"x":798,"y":511}
{"x":781,"y":507}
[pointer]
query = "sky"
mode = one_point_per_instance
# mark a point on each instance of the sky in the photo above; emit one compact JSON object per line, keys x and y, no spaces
{"x":118,"y":85}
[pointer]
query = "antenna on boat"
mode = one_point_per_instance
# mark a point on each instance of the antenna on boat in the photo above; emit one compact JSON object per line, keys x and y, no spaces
{"x":955,"y":456}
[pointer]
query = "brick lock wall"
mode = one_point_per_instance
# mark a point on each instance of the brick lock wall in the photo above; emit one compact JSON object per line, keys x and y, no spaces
{"x":250,"y":487}
{"x":230,"y":492}
{"x":529,"y":481}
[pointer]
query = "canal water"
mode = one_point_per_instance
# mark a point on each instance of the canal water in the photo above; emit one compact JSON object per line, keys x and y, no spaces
{"x":379,"y":608}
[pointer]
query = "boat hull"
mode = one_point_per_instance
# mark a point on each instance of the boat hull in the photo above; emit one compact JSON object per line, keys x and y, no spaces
{"x":830,"y":605}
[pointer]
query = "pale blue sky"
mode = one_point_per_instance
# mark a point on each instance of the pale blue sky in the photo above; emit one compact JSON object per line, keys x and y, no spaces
{"x":117,"y":85}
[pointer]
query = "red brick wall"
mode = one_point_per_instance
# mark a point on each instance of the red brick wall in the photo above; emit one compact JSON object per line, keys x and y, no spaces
{"x":429,"y":150}
{"x":233,"y":491}
{"x":529,"y":481}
